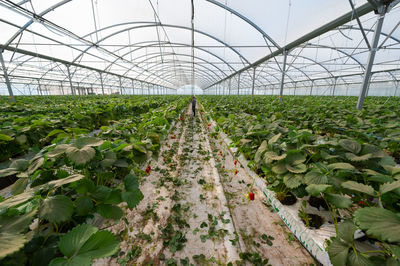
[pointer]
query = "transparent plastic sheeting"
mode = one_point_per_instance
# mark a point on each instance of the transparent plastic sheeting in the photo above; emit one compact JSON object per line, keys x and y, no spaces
{"x":145,"y":46}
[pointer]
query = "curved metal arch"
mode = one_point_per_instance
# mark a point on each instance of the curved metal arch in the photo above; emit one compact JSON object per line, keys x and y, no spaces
{"x":30,"y":22}
{"x":178,"y":54}
{"x":246,"y":20}
{"x":204,"y":77}
{"x":161,"y":70}
{"x":350,"y":27}
{"x":174,"y":43}
{"x":153,"y":24}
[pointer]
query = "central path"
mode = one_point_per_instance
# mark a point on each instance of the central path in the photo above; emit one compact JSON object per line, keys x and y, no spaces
{"x":196,"y":211}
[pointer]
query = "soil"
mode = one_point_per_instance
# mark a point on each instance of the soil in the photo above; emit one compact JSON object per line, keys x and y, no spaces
{"x":196,"y":209}
{"x":316,"y":220}
{"x":318,"y":202}
{"x":288,"y":199}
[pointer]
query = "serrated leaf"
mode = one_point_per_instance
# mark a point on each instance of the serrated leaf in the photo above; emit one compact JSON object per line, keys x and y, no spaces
{"x":279,"y":168}
{"x":315,"y":177}
{"x":375,"y":151}
{"x":64,"y":181}
{"x":131,"y":182}
{"x":346,"y":231}
{"x":101,"y":193}
{"x":84,"y":206}
{"x":16,"y":224}
{"x":58,"y":150}
{"x":341,"y":166}
{"x":274,"y":156}
{"x":356,"y":259}
{"x":338,"y":252}
{"x":387,"y":187}
{"x":80,"y":156}
{"x":85,"y":185}
{"x":354,"y":158}
{"x":109,"y":159}
{"x":55,"y":132}
{"x":339,"y":201}
{"x":316,"y":190}
{"x":380,"y":223}
{"x":295,"y":158}
{"x":121,"y":163}
{"x":292,"y":181}
{"x":87,"y":142}
{"x":109,"y":211}
{"x":274,"y":139}
{"x":56,"y":209}
{"x":352,"y":185}
{"x":72,"y":241}
{"x":132,"y":197}
{"x":75,"y":261}
{"x":263,"y":147}
{"x":350,"y":145}
{"x":8,"y":172}
{"x":10,"y":243}
{"x":297,"y":169}
{"x":99,"y":245}
{"x":114,"y":197}
{"x":21,"y":139}
{"x":16,"y":200}
{"x":35,"y":164}
{"x":20,"y":164}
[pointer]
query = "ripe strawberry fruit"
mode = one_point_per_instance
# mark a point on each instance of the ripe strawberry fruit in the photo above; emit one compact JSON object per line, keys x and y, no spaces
{"x":251,"y":196}
{"x":223,"y":167}
{"x":236,"y":171}
{"x":148,"y":169}
{"x":234,"y":162}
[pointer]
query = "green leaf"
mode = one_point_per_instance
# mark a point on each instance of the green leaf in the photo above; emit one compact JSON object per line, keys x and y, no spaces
{"x":356,"y":259}
{"x":80,"y":156}
{"x":350,"y":145}
{"x":4,"y":137}
{"x":132,"y":197}
{"x":263,"y":147}
{"x":131,"y":182}
{"x":75,"y":261}
{"x":373,"y":150}
{"x":279,"y":168}
{"x":55,"y":132}
{"x":339,"y":201}
{"x":101,"y":244}
{"x":274,"y":139}
{"x":8,"y":172}
{"x":109,"y":159}
{"x":316,"y":190}
{"x":354,"y":158}
{"x":58,"y":150}
{"x":35,"y":164}
{"x":387,"y":187}
{"x":380,"y":223}
{"x":114,"y":197}
{"x":338,"y":252}
{"x":315,"y":177}
{"x":16,"y":200}
{"x":21,"y":139}
{"x":352,"y":185}
{"x":295,"y":158}
{"x":292,"y":181}
{"x":72,"y":242}
{"x":20,"y":164}
{"x":274,"y":156}
{"x":341,"y":166}
{"x":56,"y":209}
{"x":10,"y":243}
{"x":64,"y":181}
{"x":16,"y":224}
{"x":85,"y":185}
{"x":88,"y":142}
{"x":297,"y":169}
{"x":84,"y":206}
{"x":109,"y":211}
{"x":101,"y":193}
{"x":346,"y":231}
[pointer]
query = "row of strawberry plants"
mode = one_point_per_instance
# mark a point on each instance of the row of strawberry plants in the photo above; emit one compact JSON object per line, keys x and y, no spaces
{"x":76,"y":186}
{"x":32,"y":122}
{"x":348,"y":172}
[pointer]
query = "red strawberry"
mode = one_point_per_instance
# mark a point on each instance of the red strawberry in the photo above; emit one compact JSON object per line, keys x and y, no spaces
{"x":209,"y":125}
{"x":147,"y":170}
{"x":236,"y":171}
{"x":234,"y":162}
{"x":362,"y":203}
{"x":251,"y":196}
{"x":223,"y":167}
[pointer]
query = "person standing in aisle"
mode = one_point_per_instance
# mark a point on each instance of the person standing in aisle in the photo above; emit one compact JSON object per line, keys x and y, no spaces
{"x":194,"y":105}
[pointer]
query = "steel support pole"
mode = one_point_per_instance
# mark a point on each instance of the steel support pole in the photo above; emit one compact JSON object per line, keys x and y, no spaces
{"x":229,"y":86}
{"x":120,"y":85}
{"x":8,"y":83}
{"x":254,"y":80}
{"x":371,"y":58}
{"x":70,"y":81}
{"x":39,"y":88}
{"x":101,"y":82}
{"x":238,"y":86}
{"x":334,"y":86}
{"x":62,"y":89}
{"x":312,"y":86}
{"x":133,"y":87}
{"x":295,"y":86}
{"x":283,"y":75}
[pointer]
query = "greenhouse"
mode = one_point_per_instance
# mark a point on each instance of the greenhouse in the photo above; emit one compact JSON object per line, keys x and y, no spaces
{"x":200,"y":132}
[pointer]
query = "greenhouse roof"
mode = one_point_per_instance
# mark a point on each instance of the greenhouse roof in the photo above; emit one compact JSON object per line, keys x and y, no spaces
{"x":124,"y":43}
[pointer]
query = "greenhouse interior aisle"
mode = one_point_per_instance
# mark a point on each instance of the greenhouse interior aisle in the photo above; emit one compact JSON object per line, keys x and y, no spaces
{"x":196,"y":210}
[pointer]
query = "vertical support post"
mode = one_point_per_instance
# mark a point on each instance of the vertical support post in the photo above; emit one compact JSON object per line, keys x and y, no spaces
{"x":120,"y":85}
{"x":334,"y":86}
{"x":101,"y":82}
{"x":133,"y":87}
{"x":283,"y":75}
{"x":61,"y":86}
{"x":229,"y":86}
{"x":312,"y":86}
{"x":70,"y":81}
{"x":238,"y":86}
{"x":8,"y":83}
{"x":371,"y":59}
{"x":254,"y":80}
{"x":295,"y":87}
{"x":79,"y":89}
{"x":39,"y":88}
